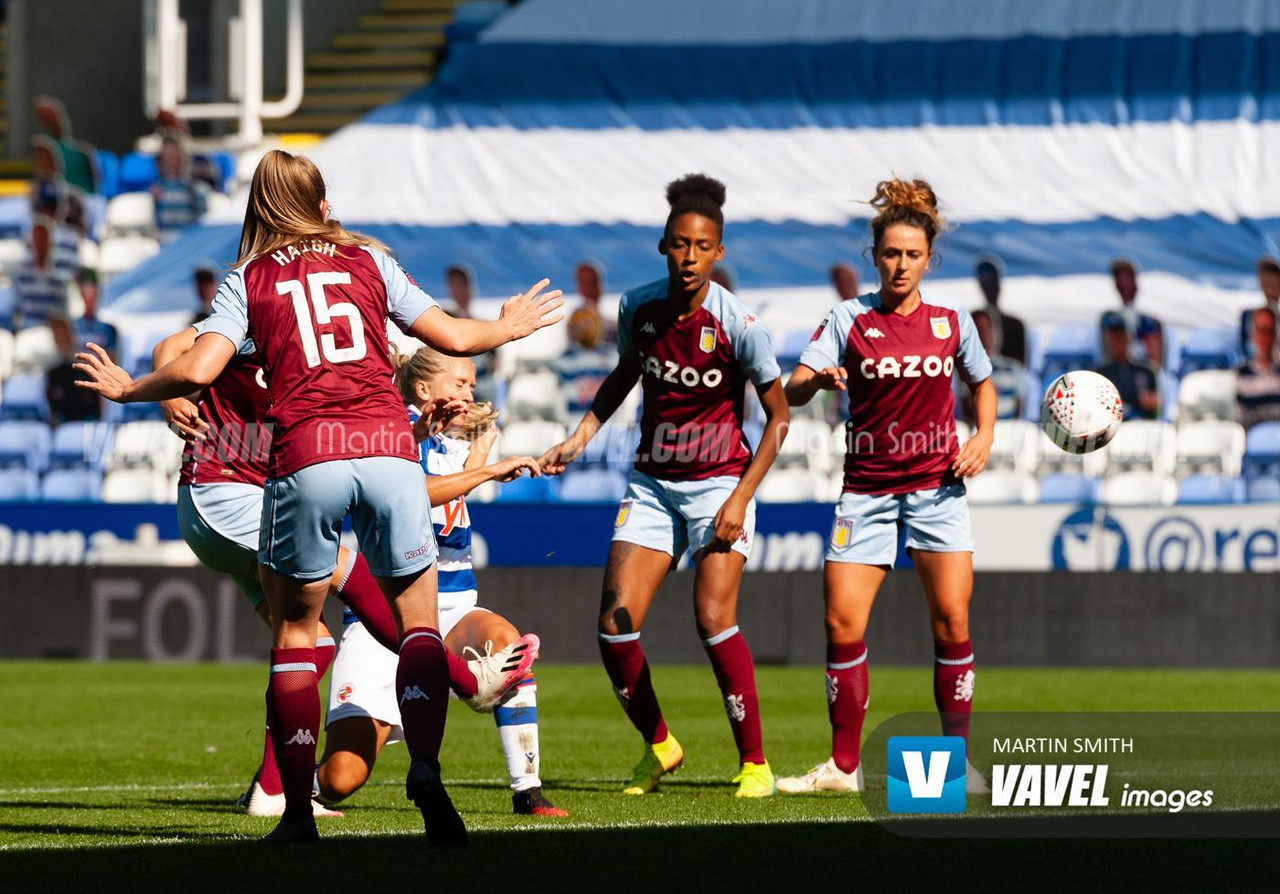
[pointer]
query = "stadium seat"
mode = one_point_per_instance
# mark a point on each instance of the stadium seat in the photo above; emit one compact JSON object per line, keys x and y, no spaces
{"x":614,"y":445}
{"x":1061,"y":487}
{"x":136,"y":485}
{"x":1207,"y":394}
{"x":145,"y":444}
{"x":526,"y":489}
{"x":1069,"y":347}
{"x":25,"y":444}
{"x":1015,"y":445}
{"x":13,"y":254}
{"x":122,"y":253}
{"x":538,"y":350}
{"x":536,"y":395}
{"x":528,"y":438}
{"x":1139,"y":489}
{"x":136,"y":412}
{"x":18,"y":484}
{"x":1195,"y":489}
{"x":998,"y":486}
{"x":592,"y":486}
{"x":108,"y":172}
{"x":1262,"y":450}
{"x":791,"y":345}
{"x":794,"y":485}
{"x":1209,"y":348}
{"x":7,"y":350}
{"x":131,"y":213}
{"x":1262,"y":490}
{"x":137,"y":172}
{"x":34,"y":350}
{"x":83,"y":485}
{"x":81,"y":444}
{"x":1211,"y":445}
{"x":1053,"y":459}
{"x":808,"y":444}
{"x":1143,"y":444}
{"x":24,"y":398}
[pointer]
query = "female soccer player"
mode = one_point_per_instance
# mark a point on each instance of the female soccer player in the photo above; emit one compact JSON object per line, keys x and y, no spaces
{"x":694,"y":346}
{"x":363,"y":715}
{"x":314,"y":298}
{"x":894,"y":352}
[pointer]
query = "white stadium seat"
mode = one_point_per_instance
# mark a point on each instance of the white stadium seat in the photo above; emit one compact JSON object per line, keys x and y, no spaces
{"x":131,"y":213}
{"x":137,"y":485}
{"x":1207,"y":394}
{"x":794,"y":485}
{"x":536,"y":395}
{"x":808,"y":444}
{"x":528,"y":439}
{"x":121,"y":254}
{"x":13,"y":254}
{"x":1140,"y":489}
{"x":999,"y":486}
{"x":1015,"y":445}
{"x":1211,"y":445}
{"x":538,"y":350}
{"x":1143,"y":444}
{"x":146,"y":444}
{"x":7,"y":351}
{"x":34,"y":349}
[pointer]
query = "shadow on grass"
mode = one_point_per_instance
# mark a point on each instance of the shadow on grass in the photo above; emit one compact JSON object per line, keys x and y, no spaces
{"x":780,"y":858}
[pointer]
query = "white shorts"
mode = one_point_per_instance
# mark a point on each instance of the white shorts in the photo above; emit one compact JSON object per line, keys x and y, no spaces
{"x":363,"y":680}
{"x":672,"y":516}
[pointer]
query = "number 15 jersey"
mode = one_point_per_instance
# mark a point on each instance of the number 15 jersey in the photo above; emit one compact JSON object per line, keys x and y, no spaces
{"x":318,"y":314}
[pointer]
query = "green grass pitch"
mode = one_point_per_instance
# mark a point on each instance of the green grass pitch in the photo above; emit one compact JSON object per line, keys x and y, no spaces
{"x":124,"y":774}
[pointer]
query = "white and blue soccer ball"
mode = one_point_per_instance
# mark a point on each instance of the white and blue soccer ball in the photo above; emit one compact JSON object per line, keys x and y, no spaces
{"x":1081,"y":411}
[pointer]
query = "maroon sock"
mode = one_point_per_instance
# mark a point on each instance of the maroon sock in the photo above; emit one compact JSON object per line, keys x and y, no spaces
{"x":422,"y":681}
{"x":848,"y":694}
{"x":361,"y":593}
{"x":325,"y":648}
{"x":953,"y":686}
{"x":269,"y":773}
{"x":736,"y":674}
{"x":629,"y":672}
{"x":293,"y":712}
{"x":461,"y":680}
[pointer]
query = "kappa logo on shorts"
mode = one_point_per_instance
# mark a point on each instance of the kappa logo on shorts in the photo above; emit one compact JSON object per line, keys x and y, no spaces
{"x":624,"y":512}
{"x":707,"y":341}
{"x":420,"y":551}
{"x":842,"y":533}
{"x":345,"y":691}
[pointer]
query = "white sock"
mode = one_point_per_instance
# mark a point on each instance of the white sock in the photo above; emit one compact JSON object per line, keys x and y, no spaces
{"x":517,"y":720}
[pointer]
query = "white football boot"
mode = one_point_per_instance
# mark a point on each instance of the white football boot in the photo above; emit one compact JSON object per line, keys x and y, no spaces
{"x":497,"y":673}
{"x":826,"y":777}
{"x":974,"y":783}
{"x":262,"y":804}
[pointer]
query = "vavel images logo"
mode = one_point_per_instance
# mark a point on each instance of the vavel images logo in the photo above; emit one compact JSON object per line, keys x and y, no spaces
{"x":926,"y":774}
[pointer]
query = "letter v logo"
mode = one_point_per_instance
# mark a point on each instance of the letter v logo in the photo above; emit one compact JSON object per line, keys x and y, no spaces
{"x":926,"y":774}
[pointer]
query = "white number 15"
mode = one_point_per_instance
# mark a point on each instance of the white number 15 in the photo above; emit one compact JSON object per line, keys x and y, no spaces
{"x":325,"y":313}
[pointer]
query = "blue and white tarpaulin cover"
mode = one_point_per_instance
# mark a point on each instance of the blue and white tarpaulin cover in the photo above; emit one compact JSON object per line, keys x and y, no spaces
{"x":1058,"y":134}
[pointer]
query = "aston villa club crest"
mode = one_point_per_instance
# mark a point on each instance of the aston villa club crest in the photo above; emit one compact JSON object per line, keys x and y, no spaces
{"x":941,"y":327}
{"x":707,"y":341}
{"x":624,"y":512}
{"x":842,"y":533}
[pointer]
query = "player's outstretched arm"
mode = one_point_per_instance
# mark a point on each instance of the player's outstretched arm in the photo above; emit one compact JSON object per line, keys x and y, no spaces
{"x":805,"y":382}
{"x":522,"y":315}
{"x":181,"y":413}
{"x":975,"y":452}
{"x":192,"y":371}
{"x":612,"y":392}
{"x":733,"y":514}
{"x":443,"y":488}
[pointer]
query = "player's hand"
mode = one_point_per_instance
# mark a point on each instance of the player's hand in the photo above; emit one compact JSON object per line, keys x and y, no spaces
{"x":533,"y":310}
{"x":105,"y":377}
{"x":513,"y":467}
{"x":553,"y":462}
{"x":973,"y":455}
{"x":832,"y":378}
{"x":436,"y":417}
{"x":483,"y":444}
{"x":728,"y":523}
{"x":184,"y":419}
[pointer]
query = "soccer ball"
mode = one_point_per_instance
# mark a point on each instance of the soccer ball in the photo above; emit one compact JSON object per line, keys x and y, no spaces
{"x":1081,"y":411}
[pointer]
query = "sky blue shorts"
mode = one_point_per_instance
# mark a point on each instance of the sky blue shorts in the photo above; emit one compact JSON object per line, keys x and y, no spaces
{"x":387,"y":497}
{"x":866,"y":526}
{"x":220,"y":522}
{"x":672,"y":516}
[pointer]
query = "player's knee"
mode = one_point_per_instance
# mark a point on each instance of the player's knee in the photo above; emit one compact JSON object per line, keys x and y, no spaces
{"x":842,"y":627}
{"x":713,"y":619}
{"x":341,"y":775}
{"x":951,"y":628}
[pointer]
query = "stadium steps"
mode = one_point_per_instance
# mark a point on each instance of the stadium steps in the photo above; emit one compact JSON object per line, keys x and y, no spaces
{"x":391,"y":53}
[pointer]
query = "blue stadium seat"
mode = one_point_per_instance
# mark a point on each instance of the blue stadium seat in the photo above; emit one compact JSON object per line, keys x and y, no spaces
{"x":1262,"y":450}
{"x":19,"y":484}
{"x":1209,"y":349}
{"x":1068,"y":348}
{"x":81,"y":444}
{"x":24,"y":398}
{"x":470,"y":18}
{"x":24,"y":445}
{"x":81,"y":485}
{"x":1196,"y":489}
{"x":791,"y":345}
{"x":613,"y":447}
{"x":1064,"y":488}
{"x":137,"y":172}
{"x":137,"y":412}
{"x":529,"y":490}
{"x":1263,"y":490}
{"x":593,"y":486}
{"x":108,"y":173}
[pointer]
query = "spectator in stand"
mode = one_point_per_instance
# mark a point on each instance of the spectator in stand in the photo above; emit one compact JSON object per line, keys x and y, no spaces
{"x":88,"y":328}
{"x":460,"y":284}
{"x":588,"y":278}
{"x":64,"y":238}
{"x":78,"y":159}
{"x":1269,"y":283}
{"x":1124,"y":273}
{"x":1258,"y":379}
{"x":180,"y":199}
{"x":48,"y":189}
{"x":67,"y":402}
{"x":40,"y":288}
{"x":206,"y":280}
{"x":1137,"y":382}
{"x":1007,"y":375}
{"x":586,"y":363}
{"x":1008,"y":332}
{"x":844,"y":279}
